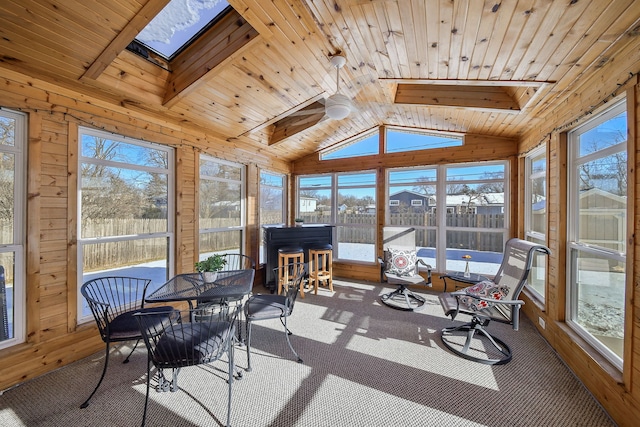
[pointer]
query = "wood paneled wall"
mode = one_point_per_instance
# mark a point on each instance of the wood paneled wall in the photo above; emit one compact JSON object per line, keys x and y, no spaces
{"x":618,"y":392}
{"x":54,"y":115}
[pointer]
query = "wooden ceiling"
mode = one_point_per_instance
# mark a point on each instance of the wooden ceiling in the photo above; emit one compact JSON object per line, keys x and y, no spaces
{"x":482,"y":67}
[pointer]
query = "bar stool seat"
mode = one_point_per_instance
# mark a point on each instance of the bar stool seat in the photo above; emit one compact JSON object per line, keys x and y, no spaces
{"x":287,"y":256}
{"x":321,"y":266}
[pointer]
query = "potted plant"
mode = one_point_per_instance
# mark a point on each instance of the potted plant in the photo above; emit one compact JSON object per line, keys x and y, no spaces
{"x":299,"y":222}
{"x":209,"y":266}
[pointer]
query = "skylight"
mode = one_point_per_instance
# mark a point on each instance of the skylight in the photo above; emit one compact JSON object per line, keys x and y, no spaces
{"x":178,"y":24}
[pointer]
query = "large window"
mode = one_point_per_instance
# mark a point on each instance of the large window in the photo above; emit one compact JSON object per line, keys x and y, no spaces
{"x":535,"y":216}
{"x":457,"y":210}
{"x":412,"y":202}
{"x":222,"y":217}
{"x":13,"y":135}
{"x":126,"y":210}
{"x":348,"y":201}
{"x":272,"y":203}
{"x":597,"y":231}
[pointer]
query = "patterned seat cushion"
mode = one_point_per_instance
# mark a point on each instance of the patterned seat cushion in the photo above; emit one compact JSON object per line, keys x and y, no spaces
{"x":486,"y":289}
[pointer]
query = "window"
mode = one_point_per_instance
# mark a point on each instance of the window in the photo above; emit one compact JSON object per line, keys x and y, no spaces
{"x":365,"y":145}
{"x":348,"y":201}
{"x":535,"y":216}
{"x":272,"y":203}
{"x":399,"y":140}
{"x":178,"y":24}
{"x":222,"y":217}
{"x":478,"y":225}
{"x":415,"y":202}
{"x":13,"y":137}
{"x":597,"y":231}
{"x":126,"y":210}
{"x":462,"y":213}
{"x":394,"y":202}
{"x":415,"y":184}
{"x":356,"y":216}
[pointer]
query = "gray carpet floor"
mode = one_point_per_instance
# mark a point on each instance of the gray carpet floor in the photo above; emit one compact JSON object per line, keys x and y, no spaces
{"x":365,"y":364}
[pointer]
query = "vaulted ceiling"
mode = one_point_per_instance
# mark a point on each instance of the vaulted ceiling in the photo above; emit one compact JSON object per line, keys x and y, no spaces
{"x":482,"y":67}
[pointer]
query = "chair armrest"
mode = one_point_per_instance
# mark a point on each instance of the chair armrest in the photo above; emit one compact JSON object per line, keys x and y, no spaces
{"x":429,"y":268}
{"x":493,"y":300}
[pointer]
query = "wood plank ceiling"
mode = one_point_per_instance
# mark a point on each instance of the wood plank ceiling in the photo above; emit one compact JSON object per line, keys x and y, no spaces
{"x":483,"y":67}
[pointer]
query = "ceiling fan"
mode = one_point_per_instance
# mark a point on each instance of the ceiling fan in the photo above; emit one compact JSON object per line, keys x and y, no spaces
{"x":338,"y":106}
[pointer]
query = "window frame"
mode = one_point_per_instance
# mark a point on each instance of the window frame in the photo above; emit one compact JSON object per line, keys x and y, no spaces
{"x":529,"y":233}
{"x":169,"y":234}
{"x":17,"y":247}
{"x":242,"y":227}
{"x":575,"y":248}
{"x":283,"y":188}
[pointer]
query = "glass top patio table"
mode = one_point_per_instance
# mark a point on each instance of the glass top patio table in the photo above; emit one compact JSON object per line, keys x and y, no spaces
{"x":225,"y":285}
{"x":459,"y":277}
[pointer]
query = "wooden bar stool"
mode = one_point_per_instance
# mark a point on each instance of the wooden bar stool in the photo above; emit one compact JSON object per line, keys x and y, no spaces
{"x":286,"y":256}
{"x":321,"y":266}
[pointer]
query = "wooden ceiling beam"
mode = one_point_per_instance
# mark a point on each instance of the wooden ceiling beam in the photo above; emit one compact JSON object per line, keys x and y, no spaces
{"x":124,"y":37}
{"x":302,"y":120}
{"x":475,"y":97}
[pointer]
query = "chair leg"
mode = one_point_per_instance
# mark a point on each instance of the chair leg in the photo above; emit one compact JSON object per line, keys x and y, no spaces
{"x":471,"y":329}
{"x":104,"y":371}
{"x":146,"y":399}
{"x":131,"y":352}
{"x":232,"y":368}
{"x":248,"y":344}
{"x":287,"y":332}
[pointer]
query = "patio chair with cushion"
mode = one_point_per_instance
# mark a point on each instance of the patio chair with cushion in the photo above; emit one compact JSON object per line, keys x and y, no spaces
{"x":489,"y":300}
{"x":113,"y":302}
{"x":264,"y":307}
{"x":400,"y":266}
{"x":174,"y":342}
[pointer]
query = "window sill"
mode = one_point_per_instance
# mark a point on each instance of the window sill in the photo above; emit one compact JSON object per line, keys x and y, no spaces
{"x":606,"y":366}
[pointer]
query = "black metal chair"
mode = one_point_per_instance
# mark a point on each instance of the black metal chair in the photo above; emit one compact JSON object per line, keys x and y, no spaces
{"x":491,"y":300}
{"x":400,"y":266}
{"x":173,"y":342}
{"x":262,"y":307}
{"x":113,"y":302}
{"x":232,"y":262}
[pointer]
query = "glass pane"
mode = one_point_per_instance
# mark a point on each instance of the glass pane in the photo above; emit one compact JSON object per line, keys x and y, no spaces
{"x":211,"y":168}
{"x":413,"y":208}
{"x":485,"y":249}
{"x":356,"y":179}
{"x":426,"y":246}
{"x":315,"y":181}
{"x":314,"y":206}
{"x":271,"y":205}
{"x":357,"y":206}
{"x":220,"y":242}
{"x":357,"y":243}
{"x":117,"y":151}
{"x":7,"y":299}
{"x":7,"y":131}
{"x":7,"y":194}
{"x":119,"y":202}
{"x":134,"y":258}
{"x":475,"y":173}
{"x":271,"y":180}
{"x":599,"y":299}
{"x":220,"y":204}
{"x":606,"y":134}
{"x":399,"y":141}
{"x":539,"y":205}
{"x":603,"y":203}
{"x":359,"y":147}
{"x":412,"y":177}
{"x":537,"y":276}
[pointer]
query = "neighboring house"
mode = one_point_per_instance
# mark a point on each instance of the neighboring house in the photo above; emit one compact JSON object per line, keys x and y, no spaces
{"x":307,"y":204}
{"x":410,"y":201}
{"x":483,"y":204}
